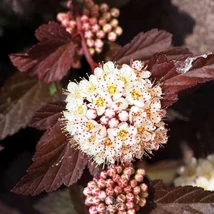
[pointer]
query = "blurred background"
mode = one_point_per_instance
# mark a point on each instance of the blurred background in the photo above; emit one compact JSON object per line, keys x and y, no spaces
{"x":190,"y":120}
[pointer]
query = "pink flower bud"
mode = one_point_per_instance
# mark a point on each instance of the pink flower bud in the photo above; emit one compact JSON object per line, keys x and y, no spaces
{"x":136,"y":190}
{"x":101,"y":207}
{"x":91,"y":185}
{"x":103,"y":175}
{"x":142,"y":202}
{"x":121,"y":206}
{"x":72,"y":24}
{"x":125,"y":176}
{"x":61,"y":16}
{"x":91,"y":114}
{"x":86,"y":12}
{"x":85,"y":26}
{"x":109,"y":113}
{"x":69,"y":4}
{"x":84,"y":18}
{"x":104,"y":120}
{"x":93,"y":210}
{"x":96,"y":200}
{"x":69,"y":30}
{"x":109,"y":191}
{"x":111,"y":172}
{"x":129,"y":170}
{"x":88,"y":34}
{"x":119,"y":169}
{"x":112,"y":36}
{"x":121,"y":198}
{"x":98,"y":43}
{"x":109,"y":182}
{"x":144,"y":187}
{"x":98,"y":50}
{"x":113,"y":123}
{"x":102,"y":195}
{"x":91,"y":51}
{"x":101,"y":183}
{"x":141,"y":171}
{"x":66,"y":23}
{"x":93,"y":21}
{"x":116,"y":178}
{"x":130,"y":196}
{"x":89,"y":200}
{"x":111,"y":209}
{"x":107,"y":28}
{"x":118,"y":190}
{"x":109,"y":200}
{"x":118,"y":30}
{"x":136,"y":199}
{"x":86,"y":191}
{"x":123,"y":116}
{"x":95,"y":28}
{"x":107,"y":16}
{"x":115,"y":12}
{"x":131,"y":211}
{"x":123,"y":182}
{"x":104,"y":7}
{"x":102,"y":21}
{"x":95,"y":190}
{"x":129,"y":205}
{"x":139,"y":178}
{"x":114,"y":22}
{"x":121,"y":212}
{"x":90,"y":42}
{"x":100,"y":34}
{"x":127,"y":189}
{"x":133,"y":183}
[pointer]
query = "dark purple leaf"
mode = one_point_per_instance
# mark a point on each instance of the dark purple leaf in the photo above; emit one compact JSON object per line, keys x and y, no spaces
{"x":177,"y":200}
{"x":52,"y":57}
{"x":143,"y":46}
{"x":47,"y":116}
{"x":20,"y":98}
{"x":94,"y":169}
{"x":56,"y":162}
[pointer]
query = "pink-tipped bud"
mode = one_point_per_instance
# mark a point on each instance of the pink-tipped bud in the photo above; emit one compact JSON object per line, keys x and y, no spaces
{"x":91,"y":51}
{"x":69,"y":4}
{"x":93,"y":210}
{"x":95,"y":190}
{"x":104,"y":7}
{"x":103,"y":175}
{"x":121,"y":206}
{"x":85,"y":26}
{"x":101,"y":183}
{"x":93,"y":21}
{"x":111,"y":172}
{"x":112,"y":36}
{"x":107,"y":16}
{"x":98,"y":43}
{"x":109,"y":191}
{"x":130,"y":196}
{"x":123,"y":116}
{"x":123,"y":183}
{"x":101,"y":207}
{"x":118,"y":30}
{"x":121,"y":198}
{"x":109,"y":113}
{"x":129,"y":170}
{"x":72,"y":23}
{"x":129,"y":205}
{"x":91,"y":185}
{"x":115,"y":12}
{"x":66,"y":23}
{"x":100,"y":34}
{"x":95,"y":28}
{"x":113,"y":123}
{"x":96,"y":200}
{"x":119,"y":169}
{"x":109,"y":182}
{"x":89,"y":200}
{"x":90,"y":42}
{"x":86,"y":191}
{"x":102,"y":195}
{"x":109,"y":200}
{"x":102,"y":21}
{"x":136,"y":199}
{"x":107,"y":28}
{"x":127,"y":189}
{"x":118,"y":190}
{"x":142,"y":202}
{"x":131,"y":211}
{"x":137,"y":190}
{"x":91,"y":114}
{"x":104,"y":120}
{"x":98,"y":50}
{"x":141,"y":171}
{"x":69,"y":30}
{"x":138,"y":177}
{"x":84,"y":18}
{"x":125,"y":176}
{"x":116,"y":178}
{"x":144,"y":187}
{"x":111,"y":209}
{"x":114,"y":22}
{"x":86,"y":12}
{"x":61,"y":16}
{"x":133,"y":183}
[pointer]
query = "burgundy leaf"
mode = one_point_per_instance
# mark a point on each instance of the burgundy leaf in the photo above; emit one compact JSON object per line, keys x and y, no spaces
{"x":20,"y":98}
{"x":143,"y":46}
{"x":56,"y":162}
{"x":94,"y":169}
{"x":176,"y":200}
{"x":52,"y":57}
{"x":47,"y":116}
{"x":78,"y":199}
{"x":187,"y":73}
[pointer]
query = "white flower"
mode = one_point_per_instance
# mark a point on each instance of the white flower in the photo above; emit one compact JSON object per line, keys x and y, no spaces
{"x":197,"y":173}
{"x":116,"y":115}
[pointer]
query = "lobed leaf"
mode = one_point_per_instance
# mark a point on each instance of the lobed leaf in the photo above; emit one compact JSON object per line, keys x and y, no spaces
{"x":47,"y":116}
{"x":176,"y":200}
{"x":143,"y":46}
{"x":56,"y":162}
{"x":20,"y":98}
{"x":52,"y":57}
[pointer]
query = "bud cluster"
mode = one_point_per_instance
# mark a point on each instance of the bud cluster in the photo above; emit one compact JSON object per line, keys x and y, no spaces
{"x":119,"y":190}
{"x":98,"y":24}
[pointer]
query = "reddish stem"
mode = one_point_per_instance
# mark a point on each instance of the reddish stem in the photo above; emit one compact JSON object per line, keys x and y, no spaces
{"x":83,"y":42}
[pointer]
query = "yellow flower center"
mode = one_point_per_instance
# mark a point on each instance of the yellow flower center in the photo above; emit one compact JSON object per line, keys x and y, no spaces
{"x":140,"y":130}
{"x":123,"y":133}
{"x":124,"y":80}
{"x":89,"y":126}
{"x":80,"y":110}
{"x":108,"y":142}
{"x":100,"y":102}
{"x":92,"y":88}
{"x":135,"y":94}
{"x":112,"y":89}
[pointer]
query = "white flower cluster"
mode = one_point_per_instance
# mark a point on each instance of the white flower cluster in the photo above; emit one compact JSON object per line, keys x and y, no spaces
{"x":197,"y":173}
{"x":116,"y":115}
